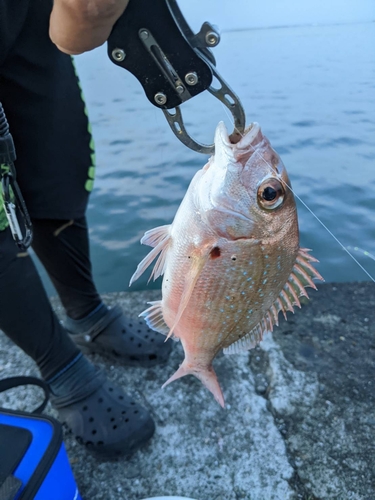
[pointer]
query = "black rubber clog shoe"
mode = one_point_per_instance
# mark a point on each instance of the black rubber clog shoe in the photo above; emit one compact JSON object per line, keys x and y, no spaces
{"x":129,"y":340}
{"x":104,"y":419}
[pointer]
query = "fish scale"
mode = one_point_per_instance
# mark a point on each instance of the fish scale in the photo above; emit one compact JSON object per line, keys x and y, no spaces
{"x":231,"y":258}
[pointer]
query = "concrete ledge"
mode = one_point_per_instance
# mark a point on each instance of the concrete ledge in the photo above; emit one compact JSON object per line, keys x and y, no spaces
{"x":299,"y":422}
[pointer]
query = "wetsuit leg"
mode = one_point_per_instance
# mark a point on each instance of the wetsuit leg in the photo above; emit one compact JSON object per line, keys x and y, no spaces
{"x":26,"y":315}
{"x":63,"y":248}
{"x":40,"y":92}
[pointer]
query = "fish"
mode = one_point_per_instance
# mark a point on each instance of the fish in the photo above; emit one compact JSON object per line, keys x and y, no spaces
{"x":231,"y":259}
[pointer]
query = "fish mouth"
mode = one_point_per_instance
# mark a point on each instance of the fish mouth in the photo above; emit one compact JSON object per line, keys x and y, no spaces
{"x":223,"y":144}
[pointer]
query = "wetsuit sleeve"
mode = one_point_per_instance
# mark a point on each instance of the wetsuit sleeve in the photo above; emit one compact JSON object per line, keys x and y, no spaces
{"x":12,"y":17}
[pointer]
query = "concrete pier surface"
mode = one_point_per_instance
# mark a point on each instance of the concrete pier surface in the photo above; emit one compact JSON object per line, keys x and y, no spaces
{"x":299,"y":421}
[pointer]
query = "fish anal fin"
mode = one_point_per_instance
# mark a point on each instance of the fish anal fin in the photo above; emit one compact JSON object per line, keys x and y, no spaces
{"x":161,"y":240}
{"x":206,"y":375}
{"x":154,"y":318}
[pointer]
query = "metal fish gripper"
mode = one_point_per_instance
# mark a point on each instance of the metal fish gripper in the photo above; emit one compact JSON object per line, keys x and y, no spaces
{"x":154,"y":42}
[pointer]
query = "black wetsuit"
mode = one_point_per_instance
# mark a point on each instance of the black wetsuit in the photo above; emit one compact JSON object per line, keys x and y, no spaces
{"x":40,"y":93}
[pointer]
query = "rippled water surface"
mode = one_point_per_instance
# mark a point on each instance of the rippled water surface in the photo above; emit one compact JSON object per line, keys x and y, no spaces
{"x":312,"y":89}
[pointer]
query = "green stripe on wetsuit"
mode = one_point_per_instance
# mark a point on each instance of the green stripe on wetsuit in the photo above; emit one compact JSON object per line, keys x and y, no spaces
{"x":89,"y":184}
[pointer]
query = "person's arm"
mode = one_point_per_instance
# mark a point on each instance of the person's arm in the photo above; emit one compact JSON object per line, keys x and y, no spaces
{"x":77,"y":26}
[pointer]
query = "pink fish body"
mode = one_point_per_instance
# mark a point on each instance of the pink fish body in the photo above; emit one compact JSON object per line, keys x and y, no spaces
{"x":231,"y":258}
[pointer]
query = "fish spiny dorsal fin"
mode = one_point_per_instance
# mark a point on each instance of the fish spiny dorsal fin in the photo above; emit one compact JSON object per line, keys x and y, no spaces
{"x":269,"y":321}
{"x":155,"y":319}
{"x":292,"y":293}
{"x":301,"y":276}
{"x":304,"y":271}
{"x":198,"y":259}
{"x":274,"y":313}
{"x":280,"y":307}
{"x":158,"y":238}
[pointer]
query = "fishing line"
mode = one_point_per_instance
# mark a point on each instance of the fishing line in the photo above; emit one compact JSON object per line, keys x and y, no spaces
{"x":365,"y":252}
{"x":309,"y":209}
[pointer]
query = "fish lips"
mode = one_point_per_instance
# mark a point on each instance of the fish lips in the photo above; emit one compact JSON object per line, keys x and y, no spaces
{"x":220,"y":197}
{"x":228,"y":154}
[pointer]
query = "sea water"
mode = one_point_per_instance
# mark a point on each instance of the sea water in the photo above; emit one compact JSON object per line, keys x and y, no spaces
{"x":311,"y":88}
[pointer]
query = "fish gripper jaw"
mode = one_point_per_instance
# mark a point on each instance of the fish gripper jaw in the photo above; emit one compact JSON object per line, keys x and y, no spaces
{"x":154,"y":42}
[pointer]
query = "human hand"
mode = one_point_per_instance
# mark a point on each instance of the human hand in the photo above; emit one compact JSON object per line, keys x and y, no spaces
{"x":77,"y":26}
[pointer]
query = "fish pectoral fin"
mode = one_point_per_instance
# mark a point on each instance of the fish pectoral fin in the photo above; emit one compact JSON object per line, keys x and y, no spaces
{"x":207,"y":376}
{"x":198,"y":262}
{"x":155,"y":319}
{"x":161,"y":239}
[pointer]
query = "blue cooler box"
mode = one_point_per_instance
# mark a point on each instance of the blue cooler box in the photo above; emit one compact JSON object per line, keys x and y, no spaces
{"x":33,"y":461}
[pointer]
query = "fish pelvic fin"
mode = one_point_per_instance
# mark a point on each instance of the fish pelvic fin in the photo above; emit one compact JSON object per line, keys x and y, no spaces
{"x":206,"y":375}
{"x":198,"y":262}
{"x":154,"y":236}
{"x":302,"y":276}
{"x":158,"y":238}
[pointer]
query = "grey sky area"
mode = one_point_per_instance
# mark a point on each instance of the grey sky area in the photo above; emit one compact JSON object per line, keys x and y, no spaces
{"x":240,"y":14}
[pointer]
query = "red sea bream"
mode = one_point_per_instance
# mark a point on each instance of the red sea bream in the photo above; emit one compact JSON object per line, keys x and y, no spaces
{"x":231,"y":258}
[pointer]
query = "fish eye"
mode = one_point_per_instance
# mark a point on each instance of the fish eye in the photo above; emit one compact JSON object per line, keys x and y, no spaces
{"x":270,"y":194}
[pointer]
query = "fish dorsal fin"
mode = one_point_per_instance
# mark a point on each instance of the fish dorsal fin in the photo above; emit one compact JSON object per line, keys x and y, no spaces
{"x":155,"y":319}
{"x":159,"y":239}
{"x":198,"y":260}
{"x":301,"y":276}
{"x":249,"y":341}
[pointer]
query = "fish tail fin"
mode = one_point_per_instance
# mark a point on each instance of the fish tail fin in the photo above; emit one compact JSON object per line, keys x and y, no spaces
{"x":206,"y":375}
